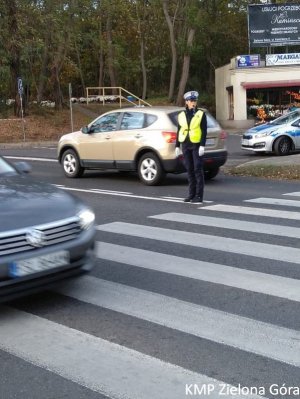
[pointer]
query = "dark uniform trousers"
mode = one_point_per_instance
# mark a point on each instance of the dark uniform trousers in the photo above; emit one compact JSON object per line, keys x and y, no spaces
{"x":194,"y":166}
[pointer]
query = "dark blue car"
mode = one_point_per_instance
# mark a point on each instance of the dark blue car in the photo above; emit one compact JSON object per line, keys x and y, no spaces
{"x":46,"y":235}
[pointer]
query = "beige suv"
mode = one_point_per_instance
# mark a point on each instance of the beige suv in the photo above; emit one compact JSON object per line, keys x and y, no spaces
{"x":138,"y":139}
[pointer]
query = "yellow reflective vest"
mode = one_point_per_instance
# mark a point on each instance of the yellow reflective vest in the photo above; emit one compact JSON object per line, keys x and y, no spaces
{"x":193,"y":130}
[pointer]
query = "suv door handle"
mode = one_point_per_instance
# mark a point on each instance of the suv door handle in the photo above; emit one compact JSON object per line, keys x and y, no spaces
{"x":107,"y":137}
{"x":138,"y":135}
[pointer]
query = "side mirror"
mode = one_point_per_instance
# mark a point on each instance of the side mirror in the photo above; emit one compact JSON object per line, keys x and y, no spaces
{"x":22,"y":167}
{"x":84,"y":129}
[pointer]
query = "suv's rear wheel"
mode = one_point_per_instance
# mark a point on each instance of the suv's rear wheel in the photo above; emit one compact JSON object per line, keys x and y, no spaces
{"x":71,"y":164}
{"x":150,"y":169}
{"x":211,"y":173}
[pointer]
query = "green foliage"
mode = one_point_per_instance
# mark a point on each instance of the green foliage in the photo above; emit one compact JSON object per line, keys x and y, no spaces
{"x":4,"y":78}
{"x":57,"y":42}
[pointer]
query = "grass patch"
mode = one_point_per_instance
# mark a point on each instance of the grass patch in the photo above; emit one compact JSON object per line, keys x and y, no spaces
{"x":48,"y":124}
{"x":278,"y":172}
{"x":45,"y":125}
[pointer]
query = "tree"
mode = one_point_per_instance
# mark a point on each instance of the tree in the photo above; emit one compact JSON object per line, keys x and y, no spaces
{"x":150,"y":47}
{"x":141,"y":14}
{"x":173,"y":47}
{"x":12,"y":44}
{"x":192,"y":17}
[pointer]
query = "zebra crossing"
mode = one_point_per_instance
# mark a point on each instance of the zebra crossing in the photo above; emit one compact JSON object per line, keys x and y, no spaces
{"x":182,"y":304}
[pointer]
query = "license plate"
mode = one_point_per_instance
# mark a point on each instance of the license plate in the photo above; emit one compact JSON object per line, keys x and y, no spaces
{"x":245,"y":142}
{"x":210,"y":142}
{"x":38,"y":264}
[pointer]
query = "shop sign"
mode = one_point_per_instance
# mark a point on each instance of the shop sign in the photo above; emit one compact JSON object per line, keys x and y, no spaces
{"x":248,"y":61}
{"x":282,"y":59}
{"x":274,"y":25}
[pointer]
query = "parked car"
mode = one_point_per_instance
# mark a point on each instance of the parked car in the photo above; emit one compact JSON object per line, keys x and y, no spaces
{"x":280,"y":136}
{"x":138,"y":139}
{"x":46,"y":235}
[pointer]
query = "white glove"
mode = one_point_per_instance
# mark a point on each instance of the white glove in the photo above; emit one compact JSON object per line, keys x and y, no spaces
{"x":177,"y":152}
{"x":201,"y":151}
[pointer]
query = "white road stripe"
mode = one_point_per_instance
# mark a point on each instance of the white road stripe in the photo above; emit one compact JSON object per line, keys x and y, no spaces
{"x":253,"y":227}
{"x":181,"y":199}
{"x":117,"y":194}
{"x":94,"y":363}
{"x":32,"y":159}
{"x":274,"y":213}
{"x":261,"y":338}
{"x":47,"y":148}
{"x":98,"y":190}
{"x":275,"y":201}
{"x":294,"y":194}
{"x":242,"y":247}
{"x":174,"y":198}
{"x":263,"y":283}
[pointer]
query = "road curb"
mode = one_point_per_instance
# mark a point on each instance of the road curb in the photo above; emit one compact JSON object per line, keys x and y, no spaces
{"x":28,"y":144}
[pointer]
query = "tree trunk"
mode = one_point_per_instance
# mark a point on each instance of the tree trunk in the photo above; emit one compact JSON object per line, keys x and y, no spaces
{"x":101,"y":69}
{"x":185,"y":67}
{"x":140,"y":29}
{"x":110,"y":53}
{"x":55,"y":71}
{"x":101,"y":59}
{"x":173,"y":49}
{"x":80,"y":70}
{"x":144,"y":71}
{"x":44,"y":67}
{"x":13,"y":47}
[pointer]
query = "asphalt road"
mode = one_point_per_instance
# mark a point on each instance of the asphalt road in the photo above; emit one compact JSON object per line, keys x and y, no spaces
{"x":48,"y":150}
{"x":184,"y":298}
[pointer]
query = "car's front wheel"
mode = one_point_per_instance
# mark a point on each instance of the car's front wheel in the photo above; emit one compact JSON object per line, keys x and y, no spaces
{"x":283,"y":146}
{"x":150,"y":169}
{"x":71,"y":164}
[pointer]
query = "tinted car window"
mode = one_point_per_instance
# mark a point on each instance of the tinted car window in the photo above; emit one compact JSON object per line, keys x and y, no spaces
{"x":296,"y":123}
{"x":173,"y":116}
{"x":137,"y":120}
{"x":105,"y":123}
{"x":211,"y":122}
{"x":286,"y":118}
{"x":150,"y":119}
{"x":132,"y":120}
{"x":6,"y":168}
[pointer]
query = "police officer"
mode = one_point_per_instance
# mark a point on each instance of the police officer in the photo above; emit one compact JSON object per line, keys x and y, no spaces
{"x":191,"y":136}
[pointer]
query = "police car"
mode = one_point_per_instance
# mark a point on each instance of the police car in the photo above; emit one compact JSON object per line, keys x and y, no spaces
{"x":280,"y":136}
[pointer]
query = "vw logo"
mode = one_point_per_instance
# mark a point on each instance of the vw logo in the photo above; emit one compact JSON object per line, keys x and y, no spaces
{"x":36,"y":238}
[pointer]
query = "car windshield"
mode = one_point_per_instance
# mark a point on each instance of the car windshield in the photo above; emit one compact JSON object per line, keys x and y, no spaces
{"x":282,"y":120}
{"x":6,"y":168}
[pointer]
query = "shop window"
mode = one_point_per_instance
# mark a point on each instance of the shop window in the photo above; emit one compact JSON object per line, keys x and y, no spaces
{"x":269,"y":103}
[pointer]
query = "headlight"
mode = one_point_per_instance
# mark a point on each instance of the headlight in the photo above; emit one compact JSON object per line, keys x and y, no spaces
{"x":86,"y":218}
{"x":261,"y":135}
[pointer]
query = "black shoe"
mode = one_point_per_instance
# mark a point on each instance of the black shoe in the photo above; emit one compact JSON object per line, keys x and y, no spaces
{"x":196,"y":200}
{"x":188,"y":199}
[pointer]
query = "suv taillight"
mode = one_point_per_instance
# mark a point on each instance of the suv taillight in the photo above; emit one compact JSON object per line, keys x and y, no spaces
{"x":170,"y":137}
{"x":223,"y":135}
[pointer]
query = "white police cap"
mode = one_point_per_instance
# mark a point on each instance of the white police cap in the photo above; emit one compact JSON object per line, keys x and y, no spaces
{"x":191,"y":95}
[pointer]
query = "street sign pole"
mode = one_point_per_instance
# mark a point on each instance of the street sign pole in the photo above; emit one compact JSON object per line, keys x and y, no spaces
{"x":20,"y":91}
{"x":23,"y":121}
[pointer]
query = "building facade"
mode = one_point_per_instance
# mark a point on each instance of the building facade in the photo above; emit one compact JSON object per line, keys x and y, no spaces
{"x":245,"y":93}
